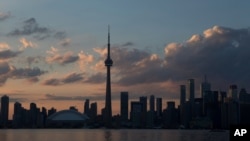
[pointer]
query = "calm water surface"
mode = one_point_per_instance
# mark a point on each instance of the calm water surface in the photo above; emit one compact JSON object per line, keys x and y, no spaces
{"x":111,"y":135}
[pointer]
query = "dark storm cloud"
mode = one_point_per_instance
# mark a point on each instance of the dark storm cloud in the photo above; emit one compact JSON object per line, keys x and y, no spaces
{"x":70,"y":78}
{"x":4,"y":16}
{"x":6,"y":54}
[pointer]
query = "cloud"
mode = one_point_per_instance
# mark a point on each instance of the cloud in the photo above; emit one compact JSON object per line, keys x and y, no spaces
{"x":85,"y":59}
{"x":55,"y":57}
{"x":31,"y":27}
{"x":60,"y":35}
{"x":131,"y":66}
{"x":10,"y":72}
{"x":6,"y":54}
{"x":96,"y":78}
{"x":74,"y":98}
{"x":27,"y":44}
{"x":4,"y":16}
{"x":4,"y":46}
{"x":32,"y":80}
{"x":33,"y":59}
{"x":52,"y":82}
{"x":69,"y":78}
{"x":73,"y":77}
{"x":221,"y":53}
{"x":21,"y":73}
{"x":65,"y":42}
{"x":127,"y":44}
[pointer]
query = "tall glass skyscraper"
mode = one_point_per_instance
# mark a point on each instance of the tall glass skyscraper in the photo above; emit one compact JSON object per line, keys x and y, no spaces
{"x":4,"y":110}
{"x":124,"y":106}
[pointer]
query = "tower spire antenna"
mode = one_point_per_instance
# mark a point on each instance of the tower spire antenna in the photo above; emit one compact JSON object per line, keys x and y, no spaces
{"x":108,"y":41}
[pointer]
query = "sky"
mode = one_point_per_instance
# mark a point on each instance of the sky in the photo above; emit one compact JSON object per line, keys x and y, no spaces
{"x":52,"y":52}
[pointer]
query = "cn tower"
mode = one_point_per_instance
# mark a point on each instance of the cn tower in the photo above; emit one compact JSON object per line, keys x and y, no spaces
{"x":108,"y":107}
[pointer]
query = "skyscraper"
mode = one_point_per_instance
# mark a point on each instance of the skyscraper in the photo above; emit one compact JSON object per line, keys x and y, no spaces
{"x":143,"y":100}
{"x":4,"y":110}
{"x":233,"y":92}
{"x":205,"y":86}
{"x":159,"y":107}
{"x":191,"y":94}
{"x":86,"y":107}
{"x":152,"y":103}
{"x":93,"y":110}
{"x":183,"y":95}
{"x":124,"y":106}
{"x":108,"y":107}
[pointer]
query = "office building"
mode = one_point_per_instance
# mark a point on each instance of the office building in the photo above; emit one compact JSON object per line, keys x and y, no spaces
{"x":152,"y":103}
{"x":124,"y":106}
{"x":191,"y":96}
{"x":182,"y":94}
{"x":233,"y":92}
{"x":159,"y":107}
{"x":135,"y":114}
{"x":4,"y":110}
{"x":86,"y":107}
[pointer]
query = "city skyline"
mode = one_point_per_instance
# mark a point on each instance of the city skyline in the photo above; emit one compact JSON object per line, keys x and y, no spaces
{"x":53,"y":55}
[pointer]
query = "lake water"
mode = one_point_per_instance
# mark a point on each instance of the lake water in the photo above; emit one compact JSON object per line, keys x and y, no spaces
{"x":111,"y":135}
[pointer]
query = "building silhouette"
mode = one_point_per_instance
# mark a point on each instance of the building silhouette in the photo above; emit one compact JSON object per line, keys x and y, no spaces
{"x":108,"y":107}
{"x":4,"y":110}
{"x":124,"y":106}
{"x":143,"y":100}
{"x":159,"y":107}
{"x":86,"y":107}
{"x":136,"y":114}
{"x":191,"y":97}
{"x":152,"y":103}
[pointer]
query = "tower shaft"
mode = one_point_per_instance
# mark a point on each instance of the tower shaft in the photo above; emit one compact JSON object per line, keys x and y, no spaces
{"x":108,"y":106}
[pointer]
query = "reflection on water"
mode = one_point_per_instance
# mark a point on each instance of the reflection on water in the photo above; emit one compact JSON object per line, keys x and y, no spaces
{"x":107,"y":135}
{"x":112,"y":135}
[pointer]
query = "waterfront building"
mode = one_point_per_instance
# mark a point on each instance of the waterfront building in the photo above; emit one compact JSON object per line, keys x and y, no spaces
{"x":159,"y":107}
{"x":143,"y":100}
{"x":4,"y":111}
{"x":233,"y":92}
{"x":191,"y":96}
{"x":93,"y":110}
{"x":135,"y":114}
{"x":124,"y":106}
{"x":86,"y":107}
